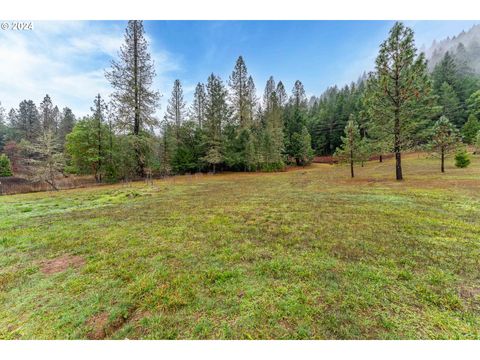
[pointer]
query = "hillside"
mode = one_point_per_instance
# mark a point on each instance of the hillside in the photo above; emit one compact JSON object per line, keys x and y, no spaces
{"x":465,"y":46}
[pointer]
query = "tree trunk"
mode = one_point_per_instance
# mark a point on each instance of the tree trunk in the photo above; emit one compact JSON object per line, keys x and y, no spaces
{"x":136,"y":127}
{"x":52,"y":184}
{"x":111,"y":143}
{"x":140,"y":161}
{"x":381,"y":158}
{"x":351,"y":162}
{"x":398,"y":165}
{"x":443,"y":161}
{"x":397,"y":149}
{"x":51,"y":178}
{"x":99,"y":150}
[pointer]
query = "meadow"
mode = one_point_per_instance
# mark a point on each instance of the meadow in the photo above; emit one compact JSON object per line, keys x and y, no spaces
{"x":303,"y":254}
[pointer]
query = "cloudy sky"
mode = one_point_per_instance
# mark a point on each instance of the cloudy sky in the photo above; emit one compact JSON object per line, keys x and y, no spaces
{"x":67,"y":60}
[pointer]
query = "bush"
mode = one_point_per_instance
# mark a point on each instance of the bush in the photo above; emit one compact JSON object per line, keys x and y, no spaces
{"x":272,"y":167}
{"x":462,"y":160}
{"x":5,"y":166}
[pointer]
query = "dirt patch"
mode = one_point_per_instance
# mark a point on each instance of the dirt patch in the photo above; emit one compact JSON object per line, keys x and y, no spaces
{"x":469,"y":293}
{"x":101,"y":328}
{"x":61,"y":263}
{"x":98,"y":323}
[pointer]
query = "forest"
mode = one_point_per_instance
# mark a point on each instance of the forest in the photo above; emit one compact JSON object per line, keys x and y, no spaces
{"x":407,"y":103}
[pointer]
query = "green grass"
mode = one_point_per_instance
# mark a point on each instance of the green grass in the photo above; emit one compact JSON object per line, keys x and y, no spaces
{"x":303,"y":254}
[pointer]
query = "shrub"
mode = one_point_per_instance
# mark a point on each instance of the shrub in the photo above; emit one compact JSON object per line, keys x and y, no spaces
{"x":5,"y":166}
{"x":462,"y":160}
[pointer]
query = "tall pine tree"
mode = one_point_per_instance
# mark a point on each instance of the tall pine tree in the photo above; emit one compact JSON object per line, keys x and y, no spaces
{"x":217,"y":116}
{"x":350,"y":150}
{"x":239,"y":94}
{"x":67,"y":122}
{"x":197,"y":111}
{"x":47,"y":115}
{"x":99,"y":110}
{"x":27,"y":122}
{"x":400,"y":91}
{"x":176,"y":108}
{"x":134,"y":101}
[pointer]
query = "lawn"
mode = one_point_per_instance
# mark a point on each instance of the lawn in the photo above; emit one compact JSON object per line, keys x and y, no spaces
{"x":303,"y":254}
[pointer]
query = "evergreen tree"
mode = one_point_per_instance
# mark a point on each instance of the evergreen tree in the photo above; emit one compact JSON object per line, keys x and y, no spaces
{"x":100,"y":135}
{"x":297,"y":138}
{"x":273,"y":136}
{"x":133,"y":101}
{"x":5,"y":166}
{"x":239,"y":95}
{"x":12,"y":117}
{"x":188,"y":151}
{"x":477,"y":143}
{"x":27,"y":123}
{"x":175,"y":117}
{"x":48,"y":115}
{"x":473,"y":104}
{"x":462,"y":160}
{"x":66,"y":125}
{"x":176,"y":108}
{"x":444,"y":139}
{"x":57,"y":116}
{"x":462,"y":61}
{"x":451,"y":107}
{"x":330,"y":113}
{"x":400,"y":92}
{"x":470,"y":129}
{"x":252,"y":101}
{"x":167,"y":147}
{"x":445,"y":72}
{"x":239,"y":138}
{"x":84,"y":146}
{"x":350,"y":150}
{"x":302,"y":147}
{"x":299,"y":98}
{"x":267,"y":94}
{"x":217,"y":116}
{"x":281,"y":93}
{"x":199,"y":103}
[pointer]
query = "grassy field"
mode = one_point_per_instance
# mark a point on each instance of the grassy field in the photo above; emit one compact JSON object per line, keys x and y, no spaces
{"x":308,"y":253}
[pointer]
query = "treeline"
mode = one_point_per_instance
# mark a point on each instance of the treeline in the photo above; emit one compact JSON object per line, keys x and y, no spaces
{"x":225,"y":128}
{"x":398,"y":107}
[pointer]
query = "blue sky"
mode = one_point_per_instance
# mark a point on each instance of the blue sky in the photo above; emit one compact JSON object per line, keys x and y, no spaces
{"x":67,"y":59}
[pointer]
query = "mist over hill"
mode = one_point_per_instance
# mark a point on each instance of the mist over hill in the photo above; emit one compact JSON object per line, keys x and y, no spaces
{"x":465,"y":47}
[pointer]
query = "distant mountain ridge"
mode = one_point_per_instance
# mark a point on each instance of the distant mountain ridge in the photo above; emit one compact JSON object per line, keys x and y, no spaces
{"x":465,"y":47}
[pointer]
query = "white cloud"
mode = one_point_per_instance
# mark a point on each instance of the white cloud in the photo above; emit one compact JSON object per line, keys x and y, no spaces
{"x":67,"y":60}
